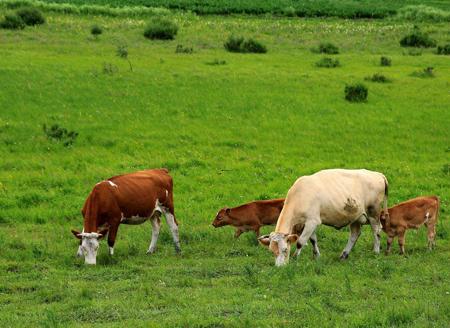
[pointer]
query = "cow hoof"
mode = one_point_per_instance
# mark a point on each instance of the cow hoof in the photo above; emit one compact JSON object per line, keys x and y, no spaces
{"x":150,"y":251}
{"x":344,"y":256}
{"x":178,"y":251}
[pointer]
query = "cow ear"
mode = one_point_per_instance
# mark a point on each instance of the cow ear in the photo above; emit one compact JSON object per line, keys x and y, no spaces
{"x":77,"y":234}
{"x":227,"y":210}
{"x":264,"y":240}
{"x":292,"y":238}
{"x":102,"y":233}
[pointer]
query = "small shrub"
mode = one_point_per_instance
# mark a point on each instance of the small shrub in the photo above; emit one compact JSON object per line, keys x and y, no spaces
{"x":327,"y":48}
{"x":328,"y":62}
{"x":417,"y":39}
{"x":96,"y":30}
{"x":12,"y":22}
{"x":216,"y":62}
{"x":444,"y":50}
{"x":385,"y":61}
{"x":31,"y":16}
{"x":377,"y":77}
{"x":109,"y":68}
{"x":180,"y":49}
{"x":234,"y":43}
{"x":356,"y":92}
{"x":122,"y":52}
{"x":425,"y":73}
{"x":239,"y":44}
{"x":413,"y":52}
{"x":161,"y":29}
{"x":58,"y":133}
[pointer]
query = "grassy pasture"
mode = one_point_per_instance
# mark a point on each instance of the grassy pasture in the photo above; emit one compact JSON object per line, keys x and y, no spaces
{"x":229,"y":134}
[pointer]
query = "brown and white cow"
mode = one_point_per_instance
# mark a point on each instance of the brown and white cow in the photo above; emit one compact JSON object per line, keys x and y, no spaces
{"x":410,"y":214}
{"x":335,"y":197}
{"x":127,"y":199}
{"x":250,"y":216}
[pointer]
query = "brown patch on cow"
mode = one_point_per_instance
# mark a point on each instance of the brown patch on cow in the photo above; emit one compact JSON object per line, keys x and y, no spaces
{"x":274,"y":247}
{"x":350,"y":205}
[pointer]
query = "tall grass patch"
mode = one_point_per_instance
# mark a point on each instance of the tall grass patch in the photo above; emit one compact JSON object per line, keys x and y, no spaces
{"x":161,"y":29}
{"x":31,"y":16}
{"x":357,"y":92}
{"x":417,"y":39}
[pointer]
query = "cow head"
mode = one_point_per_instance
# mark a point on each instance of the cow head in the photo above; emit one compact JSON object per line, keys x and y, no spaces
{"x":280,"y":245}
{"x":89,"y":244}
{"x":222,"y":218}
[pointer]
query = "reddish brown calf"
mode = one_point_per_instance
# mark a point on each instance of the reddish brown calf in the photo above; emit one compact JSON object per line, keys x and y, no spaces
{"x":411,"y":214}
{"x":251,"y":216}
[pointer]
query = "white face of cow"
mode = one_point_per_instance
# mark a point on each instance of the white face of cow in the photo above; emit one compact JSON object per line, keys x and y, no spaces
{"x":89,"y":246}
{"x":280,"y":245}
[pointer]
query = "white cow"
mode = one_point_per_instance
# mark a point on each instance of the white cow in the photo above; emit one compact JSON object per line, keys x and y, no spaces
{"x":336,"y":198}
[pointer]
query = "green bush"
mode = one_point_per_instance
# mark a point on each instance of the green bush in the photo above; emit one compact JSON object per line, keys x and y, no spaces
{"x":328,"y":62}
{"x":422,"y":13}
{"x":377,"y":77}
{"x":161,"y":29}
{"x":58,"y":133}
{"x":385,"y":61}
{"x":425,"y":73}
{"x":12,"y":22}
{"x":417,"y":39}
{"x":327,"y":48}
{"x":180,"y":49}
{"x":96,"y":30}
{"x":444,"y":50}
{"x":356,"y":92}
{"x":253,"y":46}
{"x":234,"y":43}
{"x":31,"y":16}
{"x":239,"y":44}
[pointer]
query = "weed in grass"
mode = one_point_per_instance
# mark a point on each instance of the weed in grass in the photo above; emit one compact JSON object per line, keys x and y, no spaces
{"x":60,"y":134}
{"x":109,"y":69}
{"x":239,"y":44}
{"x":96,"y":31}
{"x":425,"y":73}
{"x":234,"y":43}
{"x":413,"y":52}
{"x":328,"y":62}
{"x":161,"y":29}
{"x":443,"y":50}
{"x":326,"y":48}
{"x":356,"y":92}
{"x":180,"y":49}
{"x":12,"y":22}
{"x":216,"y":62}
{"x":417,"y":39}
{"x":385,"y":61}
{"x":122,"y":52}
{"x":377,"y":77}
{"x":253,"y":46}
{"x":31,"y":16}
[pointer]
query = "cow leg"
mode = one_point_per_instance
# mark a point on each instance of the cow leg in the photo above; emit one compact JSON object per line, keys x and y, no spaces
{"x":308,"y":230}
{"x":401,"y":241}
{"x":389,"y":244}
{"x":237,"y":233}
{"x":355,"y":232}
{"x":156,"y":227}
{"x":170,"y":219}
{"x":112,"y":232}
{"x":80,"y":250}
{"x":257,"y":232}
{"x":313,"y":241}
{"x":376,"y":230}
{"x":431,"y":235}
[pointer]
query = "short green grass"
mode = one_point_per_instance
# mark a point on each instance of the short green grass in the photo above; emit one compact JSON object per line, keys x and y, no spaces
{"x":229,"y":134}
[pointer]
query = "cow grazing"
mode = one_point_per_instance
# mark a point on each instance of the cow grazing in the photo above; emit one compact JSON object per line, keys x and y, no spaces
{"x":127,"y":199}
{"x":410,"y":214}
{"x":335,"y":197}
{"x":250,"y":216}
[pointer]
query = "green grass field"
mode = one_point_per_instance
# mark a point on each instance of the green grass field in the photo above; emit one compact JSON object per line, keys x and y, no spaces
{"x":229,"y":134}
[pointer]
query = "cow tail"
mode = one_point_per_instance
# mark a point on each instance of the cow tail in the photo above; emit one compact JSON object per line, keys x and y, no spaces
{"x":385,"y":200}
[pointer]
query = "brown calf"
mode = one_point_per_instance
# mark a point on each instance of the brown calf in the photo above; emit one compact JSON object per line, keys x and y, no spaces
{"x":410,"y":214}
{"x":251,"y":216}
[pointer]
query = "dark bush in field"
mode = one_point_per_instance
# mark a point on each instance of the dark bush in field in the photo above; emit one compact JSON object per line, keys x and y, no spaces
{"x":444,"y":50}
{"x":109,"y":69}
{"x":161,"y":29}
{"x":253,"y":46}
{"x":31,"y":16}
{"x":239,"y":44}
{"x":122,"y":52}
{"x":328,"y":62}
{"x":234,"y":43}
{"x":180,"y":49}
{"x":385,"y":61}
{"x":377,"y":77}
{"x":425,"y":73}
{"x":58,"y":133}
{"x":417,"y":39}
{"x":12,"y":22}
{"x":327,"y":48}
{"x":96,"y":30}
{"x":356,"y":92}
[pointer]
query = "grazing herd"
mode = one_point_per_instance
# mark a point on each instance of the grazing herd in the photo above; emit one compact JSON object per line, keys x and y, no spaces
{"x":335,"y":197}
